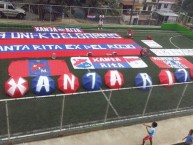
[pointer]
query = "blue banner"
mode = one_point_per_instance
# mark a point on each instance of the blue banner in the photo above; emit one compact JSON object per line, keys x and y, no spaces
{"x":35,"y":35}
{"x":28,"y":48}
{"x":38,"y":67}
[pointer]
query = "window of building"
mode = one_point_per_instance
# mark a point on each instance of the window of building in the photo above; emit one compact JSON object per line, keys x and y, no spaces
{"x":165,"y":5}
{"x":1,"y":5}
{"x":149,"y":8}
{"x":159,"y":6}
{"x":144,"y":7}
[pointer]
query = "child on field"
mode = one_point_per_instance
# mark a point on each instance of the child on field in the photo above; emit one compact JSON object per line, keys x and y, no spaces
{"x":189,"y":138}
{"x":150,"y":131}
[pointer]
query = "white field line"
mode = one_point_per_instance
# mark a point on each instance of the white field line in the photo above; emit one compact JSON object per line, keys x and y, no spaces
{"x":172,"y":42}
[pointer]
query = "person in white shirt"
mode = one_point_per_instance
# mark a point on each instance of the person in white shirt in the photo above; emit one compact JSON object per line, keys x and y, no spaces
{"x":150,"y":131}
{"x":101,"y":19}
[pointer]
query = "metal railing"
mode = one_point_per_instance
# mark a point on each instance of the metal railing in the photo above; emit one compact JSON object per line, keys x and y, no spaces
{"x":71,"y":113}
{"x":41,"y":14}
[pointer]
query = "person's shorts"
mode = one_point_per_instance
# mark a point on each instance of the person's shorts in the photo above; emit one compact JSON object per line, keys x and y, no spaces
{"x":147,"y":138}
{"x":100,"y":22}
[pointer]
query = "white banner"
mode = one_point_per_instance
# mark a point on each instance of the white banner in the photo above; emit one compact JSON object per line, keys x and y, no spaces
{"x":151,"y":44}
{"x":56,"y":29}
{"x":173,"y":52}
{"x":107,"y":62}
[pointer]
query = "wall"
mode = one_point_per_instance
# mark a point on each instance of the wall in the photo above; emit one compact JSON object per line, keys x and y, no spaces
{"x":177,"y":27}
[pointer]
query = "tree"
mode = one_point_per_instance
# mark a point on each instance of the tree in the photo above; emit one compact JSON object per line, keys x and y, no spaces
{"x":187,"y":6}
{"x":177,"y":7}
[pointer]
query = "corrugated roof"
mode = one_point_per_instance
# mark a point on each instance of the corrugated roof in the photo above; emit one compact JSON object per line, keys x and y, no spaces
{"x":130,"y":3}
{"x":166,"y":13}
{"x":167,"y":1}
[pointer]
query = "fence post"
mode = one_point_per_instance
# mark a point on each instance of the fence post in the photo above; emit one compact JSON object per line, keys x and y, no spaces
{"x":7,"y":119}
{"x":70,"y":14}
{"x":181,"y":97}
{"x":50,"y":15}
{"x":145,"y":107}
{"x":29,"y":8}
{"x":62,"y":113}
{"x":107,"y":110}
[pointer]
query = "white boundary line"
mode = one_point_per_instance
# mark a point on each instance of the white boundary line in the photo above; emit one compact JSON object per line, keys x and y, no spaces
{"x":172,"y":42}
{"x":178,"y":36}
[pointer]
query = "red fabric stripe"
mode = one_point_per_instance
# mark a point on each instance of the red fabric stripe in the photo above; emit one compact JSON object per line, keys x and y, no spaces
{"x":20,"y":68}
{"x":62,"y":53}
{"x":16,"y":68}
{"x":58,"y":67}
{"x":65,"y":41}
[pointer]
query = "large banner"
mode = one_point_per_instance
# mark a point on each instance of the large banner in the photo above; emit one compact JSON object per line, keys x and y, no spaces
{"x":107,"y":62}
{"x":152,"y":44}
{"x":171,"y":62}
{"x":57,"y":29}
{"x":173,"y":52}
{"x":35,"y":35}
{"x":30,"y":48}
{"x":25,"y":68}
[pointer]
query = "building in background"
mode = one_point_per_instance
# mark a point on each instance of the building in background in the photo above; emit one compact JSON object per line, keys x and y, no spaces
{"x":131,"y":9}
{"x":145,"y":18}
{"x":150,"y":5}
{"x":166,"y":4}
{"x":165,"y":12}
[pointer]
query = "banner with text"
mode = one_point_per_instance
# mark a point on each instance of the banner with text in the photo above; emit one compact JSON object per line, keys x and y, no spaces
{"x":107,"y":62}
{"x":57,"y":29}
{"x":171,"y":62}
{"x":31,"y":48}
{"x":173,"y":52}
{"x":35,"y":35}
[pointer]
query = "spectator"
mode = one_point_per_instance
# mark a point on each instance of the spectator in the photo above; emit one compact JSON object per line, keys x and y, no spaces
{"x":149,"y":37}
{"x":101,"y":19}
{"x":189,"y":138}
{"x":150,"y":132}
{"x":130,"y":34}
{"x":144,"y":52}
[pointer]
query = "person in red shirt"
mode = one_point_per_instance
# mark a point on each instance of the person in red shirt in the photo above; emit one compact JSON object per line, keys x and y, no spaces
{"x":144,"y":52}
{"x":130,"y":33}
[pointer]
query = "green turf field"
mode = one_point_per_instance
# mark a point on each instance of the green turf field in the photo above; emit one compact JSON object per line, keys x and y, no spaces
{"x":26,"y":116}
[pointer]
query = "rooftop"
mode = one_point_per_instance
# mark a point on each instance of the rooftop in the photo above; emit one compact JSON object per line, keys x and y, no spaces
{"x":130,"y":2}
{"x":167,"y":1}
{"x":166,"y":13}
